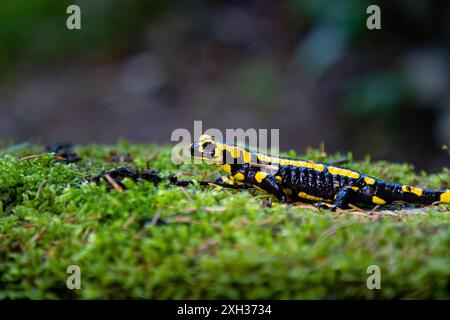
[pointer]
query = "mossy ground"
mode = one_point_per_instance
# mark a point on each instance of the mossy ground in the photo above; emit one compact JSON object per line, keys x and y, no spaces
{"x":217,"y":243}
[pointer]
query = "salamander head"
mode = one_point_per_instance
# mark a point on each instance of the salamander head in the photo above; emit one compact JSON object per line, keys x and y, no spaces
{"x":207,"y":149}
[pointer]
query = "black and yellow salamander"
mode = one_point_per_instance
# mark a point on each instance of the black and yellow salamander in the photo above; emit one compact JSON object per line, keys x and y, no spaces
{"x":291,"y":180}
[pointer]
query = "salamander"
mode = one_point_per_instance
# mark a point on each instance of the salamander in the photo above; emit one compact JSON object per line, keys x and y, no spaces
{"x":292,"y":180}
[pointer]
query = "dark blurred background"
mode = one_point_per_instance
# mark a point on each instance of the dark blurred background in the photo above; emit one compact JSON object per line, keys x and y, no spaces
{"x":140,"y":69}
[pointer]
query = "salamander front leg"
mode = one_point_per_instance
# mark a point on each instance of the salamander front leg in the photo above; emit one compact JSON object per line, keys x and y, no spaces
{"x":228,"y":182}
{"x":269,"y":183}
{"x":325,"y":206}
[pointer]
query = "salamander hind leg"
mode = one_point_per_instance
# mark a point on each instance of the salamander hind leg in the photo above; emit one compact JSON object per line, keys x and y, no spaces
{"x":343,"y":197}
{"x":325,"y":206}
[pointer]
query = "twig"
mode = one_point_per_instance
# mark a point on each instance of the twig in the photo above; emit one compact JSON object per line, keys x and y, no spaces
{"x":192,"y":221}
{"x":33,"y":156}
{"x":374,"y":209}
{"x":39,"y":188}
{"x":204,"y":176}
{"x":156,"y":217}
{"x":186,"y":194}
{"x":207,"y":209}
{"x":38,"y":235}
{"x":86,"y":233}
{"x":322,"y":152}
{"x":356,"y":208}
{"x":182,"y":220}
{"x":129,"y":221}
{"x":339,"y":161}
{"x":114,"y":184}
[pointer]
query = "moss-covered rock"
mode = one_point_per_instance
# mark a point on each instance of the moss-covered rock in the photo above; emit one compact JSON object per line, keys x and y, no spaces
{"x":214,"y":242}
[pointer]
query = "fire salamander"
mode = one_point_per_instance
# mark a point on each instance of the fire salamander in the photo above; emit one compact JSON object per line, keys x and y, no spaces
{"x":291,"y":180}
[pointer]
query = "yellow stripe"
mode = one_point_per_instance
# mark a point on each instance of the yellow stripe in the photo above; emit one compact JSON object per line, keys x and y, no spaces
{"x":259,"y":176}
{"x":305,"y":164}
{"x":309,"y":197}
{"x":445,"y":197}
{"x":235,"y":152}
{"x":263,"y":157}
{"x":369,"y":180}
{"x":288,"y":162}
{"x":343,"y":172}
{"x":416,"y":191}
{"x":220,"y":146}
{"x":377,"y":200}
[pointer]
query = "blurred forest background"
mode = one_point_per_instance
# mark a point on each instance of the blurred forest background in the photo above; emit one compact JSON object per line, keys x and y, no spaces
{"x":140,"y":69}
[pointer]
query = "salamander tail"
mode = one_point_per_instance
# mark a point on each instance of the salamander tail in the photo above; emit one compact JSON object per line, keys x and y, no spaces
{"x":424,"y":196}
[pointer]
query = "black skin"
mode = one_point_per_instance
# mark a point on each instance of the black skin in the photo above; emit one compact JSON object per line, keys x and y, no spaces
{"x":336,"y":190}
{"x":326,"y":188}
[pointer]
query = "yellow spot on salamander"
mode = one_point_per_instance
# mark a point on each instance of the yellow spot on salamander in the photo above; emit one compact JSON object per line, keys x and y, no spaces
{"x":355,"y":188}
{"x":445,"y":197}
{"x":247,"y":156}
{"x":378,"y":200}
{"x":226,"y":180}
{"x":259,"y":176}
{"x":344,"y":172}
{"x":226,"y":168}
{"x":278,"y":178}
{"x":309,"y":197}
{"x":234,"y":151}
{"x":369,"y":180}
{"x":239,"y":176}
{"x":318,"y":166}
{"x":416,"y":191}
{"x":288,"y":191}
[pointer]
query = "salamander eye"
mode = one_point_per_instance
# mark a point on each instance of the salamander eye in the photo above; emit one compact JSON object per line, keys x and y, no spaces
{"x":208,"y":148}
{"x":206,"y":145}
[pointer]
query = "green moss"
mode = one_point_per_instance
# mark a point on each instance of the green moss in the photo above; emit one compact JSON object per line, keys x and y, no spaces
{"x":217,"y":243}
